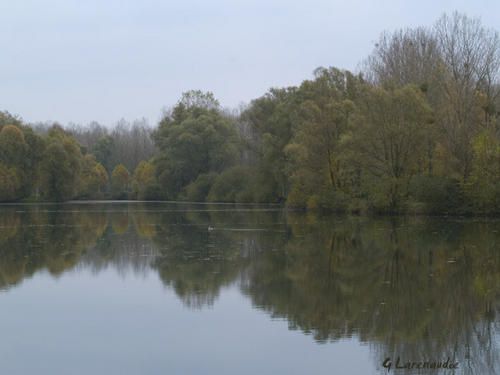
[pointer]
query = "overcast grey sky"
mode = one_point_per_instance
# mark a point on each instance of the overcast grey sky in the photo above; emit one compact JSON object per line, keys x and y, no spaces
{"x":83,"y":60}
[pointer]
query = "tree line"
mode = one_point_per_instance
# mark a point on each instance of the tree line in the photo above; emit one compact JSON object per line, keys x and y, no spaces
{"x":417,"y":130}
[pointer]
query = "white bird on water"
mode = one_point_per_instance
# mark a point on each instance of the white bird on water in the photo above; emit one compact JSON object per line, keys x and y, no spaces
{"x":210,"y":228}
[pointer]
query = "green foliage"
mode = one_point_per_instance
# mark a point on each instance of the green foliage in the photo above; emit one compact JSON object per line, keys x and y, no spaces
{"x":271,"y":121}
{"x":195,"y":138}
{"x":483,"y":187}
{"x":13,"y":146}
{"x":197,"y":191}
{"x":232,"y":185}
{"x":320,"y":173}
{"x":120,"y":182}
{"x":144,"y":182}
{"x":8,"y":119}
{"x":417,"y":132}
{"x":438,"y":194}
{"x":60,"y":166}
{"x":9,"y":184}
{"x":94,"y":179}
{"x":388,"y":141}
{"x":13,"y":149}
{"x":20,"y":150}
{"x":103,"y":150}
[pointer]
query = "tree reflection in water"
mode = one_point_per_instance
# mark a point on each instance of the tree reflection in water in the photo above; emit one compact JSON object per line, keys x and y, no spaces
{"x":417,"y":288}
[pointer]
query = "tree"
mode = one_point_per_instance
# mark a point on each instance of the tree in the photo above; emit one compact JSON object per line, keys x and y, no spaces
{"x":144,"y":180}
{"x":60,"y":166}
{"x":102,"y":178}
{"x":13,"y":151}
{"x":389,"y":140}
{"x":120,"y":182}
{"x":8,"y":119}
{"x":13,"y":146}
{"x":103,"y":151}
{"x":9,"y":184}
{"x":194,"y":138}
{"x":404,"y":57}
{"x":270,"y":119}
{"x":317,"y":160}
{"x":233,"y":185}
{"x":94,"y":178}
{"x":484,"y":184}
{"x":469,"y":85}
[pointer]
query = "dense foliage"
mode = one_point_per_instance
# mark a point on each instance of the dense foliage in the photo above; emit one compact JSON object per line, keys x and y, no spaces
{"x":417,"y":131}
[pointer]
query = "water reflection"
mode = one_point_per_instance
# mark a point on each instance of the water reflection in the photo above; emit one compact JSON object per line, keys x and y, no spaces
{"x":414,"y":288}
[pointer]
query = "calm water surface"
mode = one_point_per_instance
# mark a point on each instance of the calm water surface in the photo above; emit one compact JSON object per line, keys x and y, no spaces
{"x":199,"y":289}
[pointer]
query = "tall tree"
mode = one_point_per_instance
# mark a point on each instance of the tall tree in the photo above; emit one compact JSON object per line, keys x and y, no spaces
{"x":389,"y":140}
{"x":60,"y":166}
{"x":317,"y":159}
{"x":270,"y":119}
{"x":120,"y":182}
{"x":469,"y":85}
{"x":193,"y":138}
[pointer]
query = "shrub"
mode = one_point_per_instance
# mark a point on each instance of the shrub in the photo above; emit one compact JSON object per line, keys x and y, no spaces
{"x":197,"y":191}
{"x":438,"y":194}
{"x":233,"y":185}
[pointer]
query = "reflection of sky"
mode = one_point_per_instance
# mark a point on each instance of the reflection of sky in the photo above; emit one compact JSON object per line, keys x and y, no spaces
{"x":86,"y":323}
{"x":73,"y":60}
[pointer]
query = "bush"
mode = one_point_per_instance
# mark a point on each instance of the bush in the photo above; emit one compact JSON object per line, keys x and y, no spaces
{"x":438,"y":194}
{"x":233,"y":185}
{"x":197,"y":191}
{"x":152,"y":193}
{"x":297,"y":198}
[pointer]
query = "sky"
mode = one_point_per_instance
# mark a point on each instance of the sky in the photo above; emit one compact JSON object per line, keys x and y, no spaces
{"x":103,"y":60}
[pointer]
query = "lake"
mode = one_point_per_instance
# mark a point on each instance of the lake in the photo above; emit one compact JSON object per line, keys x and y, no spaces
{"x":136,"y":288}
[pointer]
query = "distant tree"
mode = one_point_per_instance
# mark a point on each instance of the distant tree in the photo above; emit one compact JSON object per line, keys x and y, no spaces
{"x":144,"y":180}
{"x":9,"y":184}
{"x":197,"y":191}
{"x":469,"y":83}
{"x":20,"y":149}
{"x":194,"y":138}
{"x":120,"y":182}
{"x":13,"y":146}
{"x":13,"y":151}
{"x":103,"y":151}
{"x":94,"y":178}
{"x":270,"y":119}
{"x":102,"y":178}
{"x":126,"y":143}
{"x":484,"y":184}
{"x":404,"y":57}
{"x":233,"y":185}
{"x":7,"y":118}
{"x":389,"y":141}
{"x":60,"y":166}
{"x":317,"y":159}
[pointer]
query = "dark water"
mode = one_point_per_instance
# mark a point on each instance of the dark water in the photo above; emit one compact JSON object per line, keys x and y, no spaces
{"x":149,"y":289}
